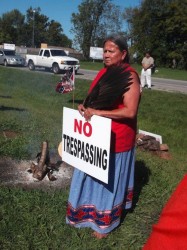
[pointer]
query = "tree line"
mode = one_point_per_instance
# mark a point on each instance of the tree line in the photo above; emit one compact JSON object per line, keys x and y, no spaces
{"x":31,"y":29}
{"x":158,"y":26}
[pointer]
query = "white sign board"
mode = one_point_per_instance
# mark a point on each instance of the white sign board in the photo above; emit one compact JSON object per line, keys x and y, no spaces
{"x":9,"y":46}
{"x":86,"y":145}
{"x":157,"y":137}
{"x":96,"y":53}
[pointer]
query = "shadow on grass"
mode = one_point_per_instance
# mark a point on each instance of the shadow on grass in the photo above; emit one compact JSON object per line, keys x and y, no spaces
{"x":4,"y":108}
{"x":141,"y":178}
{"x":77,"y":101}
{"x":5,"y":96}
{"x":79,"y":74}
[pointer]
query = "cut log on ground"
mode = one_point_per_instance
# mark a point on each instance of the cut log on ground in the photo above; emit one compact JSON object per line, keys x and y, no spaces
{"x":44,"y":166}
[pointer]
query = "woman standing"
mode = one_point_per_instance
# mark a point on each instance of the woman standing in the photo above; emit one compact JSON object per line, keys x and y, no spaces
{"x":115,"y":94}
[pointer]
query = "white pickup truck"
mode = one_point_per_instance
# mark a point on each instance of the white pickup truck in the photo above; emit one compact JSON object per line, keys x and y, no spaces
{"x":54,"y":59}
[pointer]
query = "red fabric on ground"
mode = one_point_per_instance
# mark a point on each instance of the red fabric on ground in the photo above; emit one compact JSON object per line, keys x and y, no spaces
{"x":170,"y":233}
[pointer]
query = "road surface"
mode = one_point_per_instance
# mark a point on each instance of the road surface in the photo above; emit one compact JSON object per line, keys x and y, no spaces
{"x":157,"y":83}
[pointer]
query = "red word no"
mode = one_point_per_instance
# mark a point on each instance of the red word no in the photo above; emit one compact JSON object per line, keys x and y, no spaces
{"x":84,"y":128}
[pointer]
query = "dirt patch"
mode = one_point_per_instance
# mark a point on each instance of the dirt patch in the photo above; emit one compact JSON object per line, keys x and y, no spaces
{"x":8,"y":134}
{"x":14,"y":173}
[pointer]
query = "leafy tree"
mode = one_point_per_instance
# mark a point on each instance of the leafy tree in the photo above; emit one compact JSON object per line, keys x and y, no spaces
{"x":176,"y":28}
{"x":95,"y":19}
{"x":55,"y":31}
{"x":66,"y":42}
{"x":17,"y":28}
{"x":11,"y":25}
{"x":38,"y":23}
{"x":161,"y":27}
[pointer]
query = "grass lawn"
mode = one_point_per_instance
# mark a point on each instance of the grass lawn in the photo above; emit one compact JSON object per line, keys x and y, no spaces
{"x":34,"y":219}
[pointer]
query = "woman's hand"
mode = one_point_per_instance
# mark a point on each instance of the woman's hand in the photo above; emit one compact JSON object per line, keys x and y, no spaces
{"x":89,"y":112}
{"x":86,"y":113}
{"x":81,"y":109}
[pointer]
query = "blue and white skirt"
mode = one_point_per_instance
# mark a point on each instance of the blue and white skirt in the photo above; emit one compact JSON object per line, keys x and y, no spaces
{"x":97,"y":205}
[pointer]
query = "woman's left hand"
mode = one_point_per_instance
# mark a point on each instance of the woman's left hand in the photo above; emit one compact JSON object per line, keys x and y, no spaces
{"x":88,"y":113}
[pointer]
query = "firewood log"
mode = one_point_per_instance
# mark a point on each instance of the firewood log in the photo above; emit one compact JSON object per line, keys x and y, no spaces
{"x":42,"y":170}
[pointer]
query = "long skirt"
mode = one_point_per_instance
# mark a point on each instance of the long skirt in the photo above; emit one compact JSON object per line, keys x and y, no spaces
{"x":97,"y":205}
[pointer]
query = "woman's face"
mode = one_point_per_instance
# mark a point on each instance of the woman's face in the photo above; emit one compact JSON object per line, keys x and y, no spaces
{"x":112,"y":54}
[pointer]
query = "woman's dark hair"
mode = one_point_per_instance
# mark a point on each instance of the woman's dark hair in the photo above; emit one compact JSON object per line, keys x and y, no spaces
{"x":121,"y":42}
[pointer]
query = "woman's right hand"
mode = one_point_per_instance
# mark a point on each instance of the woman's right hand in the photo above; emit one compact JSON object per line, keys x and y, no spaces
{"x":81,"y":109}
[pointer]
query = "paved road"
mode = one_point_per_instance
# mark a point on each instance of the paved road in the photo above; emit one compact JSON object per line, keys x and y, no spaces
{"x":157,"y":83}
{"x":169,"y":85}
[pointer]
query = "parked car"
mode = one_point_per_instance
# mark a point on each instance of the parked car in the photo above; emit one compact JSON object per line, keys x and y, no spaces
{"x":9,"y":57}
{"x":54,"y":59}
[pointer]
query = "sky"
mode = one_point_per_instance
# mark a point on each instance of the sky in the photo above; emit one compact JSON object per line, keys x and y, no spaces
{"x":58,"y":10}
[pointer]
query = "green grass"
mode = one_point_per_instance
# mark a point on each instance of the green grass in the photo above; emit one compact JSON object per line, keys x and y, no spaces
{"x":33,"y":109}
{"x":34,"y":219}
{"x":167,"y":73}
